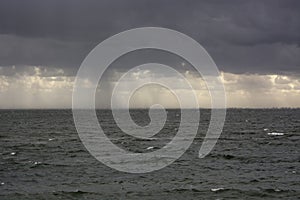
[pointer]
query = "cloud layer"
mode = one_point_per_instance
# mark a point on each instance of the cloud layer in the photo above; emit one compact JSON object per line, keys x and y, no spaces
{"x":256,"y":45}
{"x":39,"y":89}
{"x":242,"y":36}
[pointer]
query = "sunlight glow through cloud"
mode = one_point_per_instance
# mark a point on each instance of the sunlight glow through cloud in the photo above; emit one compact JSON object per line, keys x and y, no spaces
{"x":36,"y":87}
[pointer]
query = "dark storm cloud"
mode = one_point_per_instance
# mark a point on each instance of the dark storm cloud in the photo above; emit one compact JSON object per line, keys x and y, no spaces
{"x":242,"y":36}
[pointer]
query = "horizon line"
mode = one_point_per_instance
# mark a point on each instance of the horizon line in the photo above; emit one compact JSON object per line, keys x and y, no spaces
{"x":144,"y":108}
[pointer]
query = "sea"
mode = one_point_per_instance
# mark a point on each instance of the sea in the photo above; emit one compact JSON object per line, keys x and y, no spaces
{"x":256,"y":157}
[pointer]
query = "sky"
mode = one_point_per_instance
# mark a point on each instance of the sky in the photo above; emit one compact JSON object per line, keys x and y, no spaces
{"x":255,"y":45}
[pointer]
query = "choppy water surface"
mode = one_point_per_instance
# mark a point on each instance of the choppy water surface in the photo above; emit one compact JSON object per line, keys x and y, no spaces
{"x":42,"y":157}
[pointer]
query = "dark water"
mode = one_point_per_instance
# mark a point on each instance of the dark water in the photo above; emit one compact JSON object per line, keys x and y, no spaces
{"x":42,"y":158}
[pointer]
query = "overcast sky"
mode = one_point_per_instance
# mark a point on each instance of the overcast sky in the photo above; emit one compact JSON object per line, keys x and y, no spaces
{"x":255,"y":44}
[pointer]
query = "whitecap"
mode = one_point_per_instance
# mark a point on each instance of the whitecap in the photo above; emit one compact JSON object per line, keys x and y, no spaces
{"x":216,"y":189}
{"x":50,"y":139}
{"x":275,"y":134}
{"x":148,"y":148}
{"x":266,"y":129}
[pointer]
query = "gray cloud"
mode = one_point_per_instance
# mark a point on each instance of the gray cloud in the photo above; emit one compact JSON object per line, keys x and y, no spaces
{"x":259,"y":36}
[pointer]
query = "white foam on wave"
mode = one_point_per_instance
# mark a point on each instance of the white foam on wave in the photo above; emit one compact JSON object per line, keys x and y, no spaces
{"x":216,"y":189}
{"x":150,"y":148}
{"x":275,"y":133}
